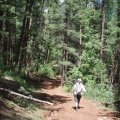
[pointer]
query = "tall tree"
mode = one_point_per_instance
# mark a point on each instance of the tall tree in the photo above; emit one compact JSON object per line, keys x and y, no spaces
{"x":103,"y":28}
{"x":25,"y":34}
{"x":116,"y":66}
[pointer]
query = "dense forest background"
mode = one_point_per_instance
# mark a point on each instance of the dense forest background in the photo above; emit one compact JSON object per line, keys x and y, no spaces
{"x":71,"y":38}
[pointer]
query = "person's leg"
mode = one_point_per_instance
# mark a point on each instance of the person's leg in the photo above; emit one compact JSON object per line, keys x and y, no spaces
{"x":78,"y":98}
{"x":76,"y":101}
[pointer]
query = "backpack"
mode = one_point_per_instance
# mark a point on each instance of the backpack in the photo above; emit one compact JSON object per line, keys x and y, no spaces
{"x":77,"y":89}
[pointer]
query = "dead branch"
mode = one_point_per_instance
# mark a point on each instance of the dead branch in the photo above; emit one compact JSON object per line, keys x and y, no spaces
{"x":26,"y":97}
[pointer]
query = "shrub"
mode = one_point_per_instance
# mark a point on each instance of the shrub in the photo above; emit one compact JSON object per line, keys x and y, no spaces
{"x":99,"y":92}
{"x":46,"y":70}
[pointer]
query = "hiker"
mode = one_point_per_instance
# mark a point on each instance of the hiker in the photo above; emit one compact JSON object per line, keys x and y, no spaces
{"x":78,"y":90}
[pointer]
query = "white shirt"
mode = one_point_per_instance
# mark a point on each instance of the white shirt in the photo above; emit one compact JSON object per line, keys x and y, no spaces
{"x":78,"y":87}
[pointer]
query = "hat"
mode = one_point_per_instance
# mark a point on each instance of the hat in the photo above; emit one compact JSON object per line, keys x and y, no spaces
{"x":79,"y":80}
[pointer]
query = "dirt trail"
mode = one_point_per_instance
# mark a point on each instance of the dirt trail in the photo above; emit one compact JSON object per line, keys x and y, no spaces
{"x":63,"y":110}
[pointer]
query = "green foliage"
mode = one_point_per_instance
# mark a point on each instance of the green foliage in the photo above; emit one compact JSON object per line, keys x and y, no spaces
{"x":68,"y":87}
{"x":94,"y":70}
{"x":74,"y":73}
{"x":66,"y":63}
{"x":99,"y":72}
{"x":99,"y":92}
{"x":89,"y":78}
{"x":29,"y":105}
{"x":46,"y":70}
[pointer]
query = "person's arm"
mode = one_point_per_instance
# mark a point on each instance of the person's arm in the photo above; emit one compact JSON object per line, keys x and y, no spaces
{"x":73,"y":89}
{"x":83,"y":89}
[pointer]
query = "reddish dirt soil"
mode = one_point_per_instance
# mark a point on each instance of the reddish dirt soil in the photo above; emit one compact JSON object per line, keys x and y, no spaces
{"x":63,"y":108}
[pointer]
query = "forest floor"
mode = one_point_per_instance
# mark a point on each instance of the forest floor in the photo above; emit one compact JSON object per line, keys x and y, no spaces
{"x":50,"y":90}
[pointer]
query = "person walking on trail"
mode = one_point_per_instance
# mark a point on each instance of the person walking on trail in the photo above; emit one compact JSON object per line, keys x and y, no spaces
{"x":78,"y":90}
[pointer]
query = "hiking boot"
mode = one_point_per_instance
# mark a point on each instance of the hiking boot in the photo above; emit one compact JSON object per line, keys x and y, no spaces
{"x":78,"y":107}
{"x":75,"y":108}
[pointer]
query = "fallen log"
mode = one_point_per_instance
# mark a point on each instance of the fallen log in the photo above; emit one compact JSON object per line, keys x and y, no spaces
{"x":26,"y":97}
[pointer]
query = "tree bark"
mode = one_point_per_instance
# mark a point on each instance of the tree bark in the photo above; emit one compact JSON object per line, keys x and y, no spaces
{"x":80,"y":48}
{"x":64,"y":53}
{"x":1,"y":34}
{"x":116,"y":65}
{"x":103,"y":28}
{"x":24,"y":38}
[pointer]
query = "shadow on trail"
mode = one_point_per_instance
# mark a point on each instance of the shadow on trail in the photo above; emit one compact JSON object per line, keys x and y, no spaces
{"x":44,"y":82}
{"x":9,"y":84}
{"x":36,"y":81}
{"x":77,"y":108}
{"x":112,"y":115}
{"x":7,"y":116}
{"x":7,"y":113}
{"x":56,"y":99}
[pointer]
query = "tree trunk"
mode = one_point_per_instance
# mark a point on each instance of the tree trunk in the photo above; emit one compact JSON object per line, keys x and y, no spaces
{"x":64,"y":53}
{"x":1,"y":35}
{"x":80,"y":47}
{"x":116,"y":66}
{"x":4,"y":40}
{"x":24,"y":38}
{"x":103,"y":28}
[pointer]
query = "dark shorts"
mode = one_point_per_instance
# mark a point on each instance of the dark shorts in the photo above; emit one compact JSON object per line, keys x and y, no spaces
{"x":79,"y":97}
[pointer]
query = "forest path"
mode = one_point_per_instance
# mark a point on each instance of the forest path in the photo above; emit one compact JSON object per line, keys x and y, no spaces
{"x":63,"y":108}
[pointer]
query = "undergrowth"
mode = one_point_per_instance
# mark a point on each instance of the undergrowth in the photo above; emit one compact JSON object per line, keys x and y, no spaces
{"x":99,"y":92}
